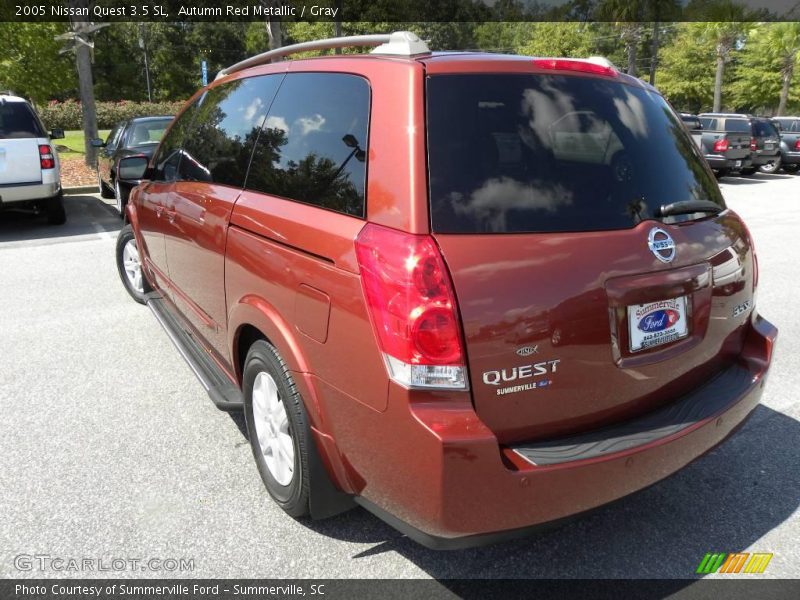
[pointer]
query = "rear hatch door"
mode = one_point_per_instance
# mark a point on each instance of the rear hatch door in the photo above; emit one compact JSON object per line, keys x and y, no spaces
{"x":19,"y":148}
{"x":546,"y":192}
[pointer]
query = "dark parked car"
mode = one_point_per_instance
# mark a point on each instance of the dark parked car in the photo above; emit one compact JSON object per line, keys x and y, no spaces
{"x":789,"y":130}
{"x":136,"y":137}
{"x":725,"y":143}
{"x":472,"y":293}
{"x":764,"y":139}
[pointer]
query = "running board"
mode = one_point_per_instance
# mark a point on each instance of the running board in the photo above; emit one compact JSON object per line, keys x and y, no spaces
{"x":225,"y":395}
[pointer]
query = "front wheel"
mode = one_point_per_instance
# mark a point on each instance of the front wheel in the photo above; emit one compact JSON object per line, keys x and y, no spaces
{"x":121,"y":194}
{"x":129,"y":265}
{"x":771,"y":167}
{"x":278,"y":429}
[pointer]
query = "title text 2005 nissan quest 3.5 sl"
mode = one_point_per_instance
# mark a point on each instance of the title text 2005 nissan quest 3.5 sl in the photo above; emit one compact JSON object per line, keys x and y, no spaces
{"x":472,"y":293}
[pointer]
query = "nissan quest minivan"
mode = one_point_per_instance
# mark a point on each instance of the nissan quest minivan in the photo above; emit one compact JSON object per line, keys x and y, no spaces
{"x":472,"y":293}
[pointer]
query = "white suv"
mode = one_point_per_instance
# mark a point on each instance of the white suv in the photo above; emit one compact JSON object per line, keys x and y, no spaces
{"x":30,"y":174}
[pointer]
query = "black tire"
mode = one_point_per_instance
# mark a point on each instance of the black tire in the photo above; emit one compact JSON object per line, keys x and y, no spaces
{"x":772,"y":167}
{"x":747,"y":172}
{"x":54,"y":210}
{"x":126,"y":235}
{"x":720,"y":173}
{"x":105,"y":191}
{"x":293,"y":498}
{"x":121,"y":193}
{"x":790,"y":168}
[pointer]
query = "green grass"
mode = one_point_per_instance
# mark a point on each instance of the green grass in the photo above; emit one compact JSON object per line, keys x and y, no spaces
{"x":73,"y":140}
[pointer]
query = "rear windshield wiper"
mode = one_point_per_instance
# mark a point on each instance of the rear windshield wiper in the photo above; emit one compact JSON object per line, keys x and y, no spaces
{"x":687,"y":207}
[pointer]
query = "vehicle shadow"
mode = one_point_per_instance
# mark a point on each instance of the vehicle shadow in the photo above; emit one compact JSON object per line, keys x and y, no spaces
{"x":725,"y":502}
{"x":86,"y":215}
{"x":741,"y":180}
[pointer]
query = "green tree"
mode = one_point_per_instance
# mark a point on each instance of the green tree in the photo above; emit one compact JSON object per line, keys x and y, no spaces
{"x":567,"y":39}
{"x":687,"y":73}
{"x":31,"y":65}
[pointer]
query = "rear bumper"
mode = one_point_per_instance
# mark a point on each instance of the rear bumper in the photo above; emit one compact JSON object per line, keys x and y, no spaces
{"x":477,"y":494}
{"x":717,"y":161}
{"x":24,"y":193}
{"x":790,"y":158}
{"x":764,"y":159}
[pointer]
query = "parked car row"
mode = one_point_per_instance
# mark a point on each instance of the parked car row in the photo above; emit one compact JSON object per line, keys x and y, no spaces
{"x":30,"y":172}
{"x":743,"y":143}
{"x":468,"y":292}
{"x":135,"y":137}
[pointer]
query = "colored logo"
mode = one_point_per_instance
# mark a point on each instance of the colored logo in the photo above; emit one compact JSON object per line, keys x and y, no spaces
{"x":661,"y":244}
{"x":737,"y":562}
{"x":659,"y":320}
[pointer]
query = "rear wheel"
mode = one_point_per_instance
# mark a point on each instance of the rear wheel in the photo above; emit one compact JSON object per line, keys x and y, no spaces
{"x":791,"y":168}
{"x":105,"y":191}
{"x":129,"y":265}
{"x":278,"y":429}
{"x":748,"y":171}
{"x":771,"y":167}
{"x":719,"y":173}
{"x":54,"y":209}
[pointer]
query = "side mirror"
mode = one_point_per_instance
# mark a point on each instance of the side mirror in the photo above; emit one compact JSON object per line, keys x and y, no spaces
{"x":133,"y":168}
{"x":57,"y":134}
{"x":97,"y":143}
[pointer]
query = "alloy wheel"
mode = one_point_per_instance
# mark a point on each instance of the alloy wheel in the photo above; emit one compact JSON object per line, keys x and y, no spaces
{"x":272,"y":429}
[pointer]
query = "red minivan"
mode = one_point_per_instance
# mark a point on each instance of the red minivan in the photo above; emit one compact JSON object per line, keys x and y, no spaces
{"x":471,"y":293}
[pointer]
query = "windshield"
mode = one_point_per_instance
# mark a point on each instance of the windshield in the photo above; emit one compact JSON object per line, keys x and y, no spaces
{"x":147,"y":132}
{"x":18,"y":121}
{"x":542,"y":153}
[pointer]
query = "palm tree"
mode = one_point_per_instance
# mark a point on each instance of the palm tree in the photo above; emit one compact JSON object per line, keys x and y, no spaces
{"x":783,"y":46}
{"x":627,"y":16}
{"x":725,"y":35}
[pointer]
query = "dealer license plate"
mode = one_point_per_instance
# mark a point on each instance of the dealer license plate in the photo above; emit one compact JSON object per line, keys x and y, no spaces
{"x":657,"y":323}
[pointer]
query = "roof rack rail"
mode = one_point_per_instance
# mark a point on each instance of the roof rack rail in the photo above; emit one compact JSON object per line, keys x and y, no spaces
{"x":7,"y":93}
{"x":399,"y":43}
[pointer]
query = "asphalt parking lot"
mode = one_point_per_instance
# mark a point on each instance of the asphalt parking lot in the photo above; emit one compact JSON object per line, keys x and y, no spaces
{"x":110,"y":448}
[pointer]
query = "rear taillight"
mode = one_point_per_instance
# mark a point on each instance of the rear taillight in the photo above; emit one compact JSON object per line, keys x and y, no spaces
{"x":565,"y":64}
{"x":753,"y":143}
{"x":412,"y":307}
{"x":721,"y":145}
{"x":797,"y":144}
{"x":46,"y":158}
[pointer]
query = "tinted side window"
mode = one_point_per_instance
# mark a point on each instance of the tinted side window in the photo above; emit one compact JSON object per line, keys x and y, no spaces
{"x":795,"y":126}
{"x":313,"y":147}
{"x":708,"y":123}
{"x":227,"y":125}
{"x":113,"y":137}
{"x":18,"y":121}
{"x":167,"y":158}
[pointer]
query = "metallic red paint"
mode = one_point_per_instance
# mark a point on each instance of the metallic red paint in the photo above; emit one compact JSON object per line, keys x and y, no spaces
{"x":233,"y":261}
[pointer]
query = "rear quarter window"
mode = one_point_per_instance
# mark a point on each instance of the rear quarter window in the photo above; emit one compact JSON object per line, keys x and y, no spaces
{"x":511,"y":153}
{"x":17,"y":120}
{"x":313,"y":147}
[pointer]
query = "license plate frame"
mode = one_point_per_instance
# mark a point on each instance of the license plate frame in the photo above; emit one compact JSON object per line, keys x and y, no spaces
{"x":657,"y":323}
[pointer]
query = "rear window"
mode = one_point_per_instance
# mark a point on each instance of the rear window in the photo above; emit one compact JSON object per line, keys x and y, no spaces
{"x":764,"y":129}
{"x":147,"y":132}
{"x":18,"y":121}
{"x":737,"y":125}
{"x":543,"y":153}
